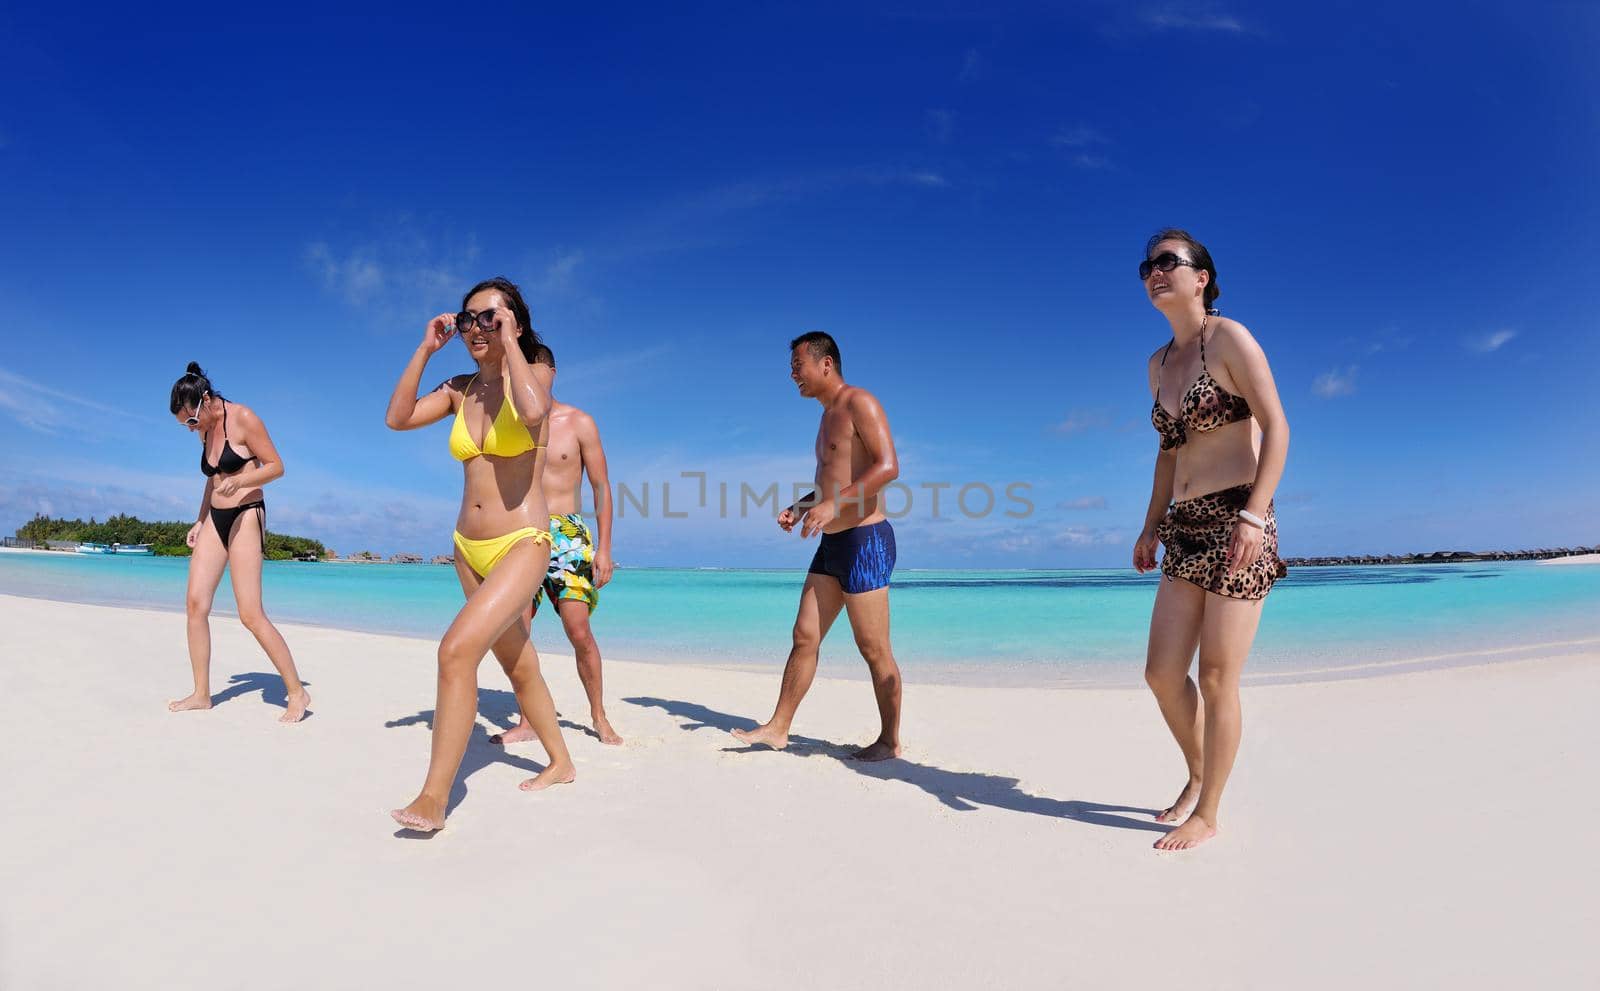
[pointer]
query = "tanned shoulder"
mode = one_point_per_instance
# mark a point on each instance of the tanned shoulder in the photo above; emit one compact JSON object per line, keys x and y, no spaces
{"x":859,"y":399}
{"x":243,"y":415}
{"x":1234,"y":337}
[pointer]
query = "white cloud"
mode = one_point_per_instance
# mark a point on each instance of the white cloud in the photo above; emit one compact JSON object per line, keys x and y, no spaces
{"x":559,"y":276}
{"x":715,"y":215}
{"x":1087,"y":502}
{"x":1084,"y":536}
{"x":402,"y":275}
{"x":971,"y":65}
{"x":355,"y":278}
{"x":1335,"y":383}
{"x":1080,"y":136}
{"x":1078,"y":421}
{"x":22,"y":498}
{"x":694,"y":212}
{"x":941,"y":125}
{"x":1080,"y":141}
{"x":598,"y":376}
{"x":1175,"y":17}
{"x":39,"y":407}
{"x":364,"y":518}
{"x":1387,"y":340}
{"x":33,"y":415}
{"x":1492,"y":341}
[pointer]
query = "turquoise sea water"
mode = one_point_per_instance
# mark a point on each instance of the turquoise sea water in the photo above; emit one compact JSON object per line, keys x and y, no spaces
{"x":1054,"y":626}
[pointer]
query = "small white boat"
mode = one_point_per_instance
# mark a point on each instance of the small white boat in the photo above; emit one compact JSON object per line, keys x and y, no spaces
{"x":90,"y":547}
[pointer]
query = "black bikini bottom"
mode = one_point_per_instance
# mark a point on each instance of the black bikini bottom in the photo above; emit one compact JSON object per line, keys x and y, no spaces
{"x":223,"y":519}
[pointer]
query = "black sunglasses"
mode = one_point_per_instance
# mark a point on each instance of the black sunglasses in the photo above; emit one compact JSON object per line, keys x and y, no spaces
{"x":466,"y":318}
{"x":1164,"y":262}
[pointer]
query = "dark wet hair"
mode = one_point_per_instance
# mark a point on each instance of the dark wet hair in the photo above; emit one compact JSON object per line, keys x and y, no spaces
{"x":1197,"y":254}
{"x":528,"y":339}
{"x":542,"y":355}
{"x":821,"y":345}
{"x":191,"y":389}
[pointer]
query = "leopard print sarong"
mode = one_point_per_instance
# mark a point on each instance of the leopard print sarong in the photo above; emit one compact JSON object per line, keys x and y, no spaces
{"x":1196,"y":533}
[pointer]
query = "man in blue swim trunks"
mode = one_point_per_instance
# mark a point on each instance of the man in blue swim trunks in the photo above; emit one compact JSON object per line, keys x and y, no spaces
{"x":855,"y":460}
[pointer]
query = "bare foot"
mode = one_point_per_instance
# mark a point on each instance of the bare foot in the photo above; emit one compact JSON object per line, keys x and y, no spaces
{"x":555,"y":774}
{"x":516,"y":734}
{"x":762,"y":736}
{"x":602,"y":727}
{"x":425,"y":815}
{"x":878,"y":750}
{"x":298,"y":704}
{"x":1184,"y":804}
{"x":1191,"y":834}
{"x":195,"y":701}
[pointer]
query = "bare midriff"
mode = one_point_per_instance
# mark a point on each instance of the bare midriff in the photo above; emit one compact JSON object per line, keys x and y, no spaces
{"x":501,"y":495}
{"x":1214,"y":460}
{"x":239,"y":498}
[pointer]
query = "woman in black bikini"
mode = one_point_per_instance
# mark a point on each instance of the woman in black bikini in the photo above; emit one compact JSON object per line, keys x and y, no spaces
{"x":237,"y":458}
{"x":1224,"y":440}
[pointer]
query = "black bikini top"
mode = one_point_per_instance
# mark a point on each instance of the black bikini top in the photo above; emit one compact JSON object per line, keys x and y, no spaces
{"x":1205,"y":405}
{"x":229,"y":461}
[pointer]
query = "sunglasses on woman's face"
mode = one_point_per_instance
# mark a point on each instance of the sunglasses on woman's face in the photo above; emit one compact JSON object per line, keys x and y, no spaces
{"x":1164,"y":262}
{"x":466,"y":318}
{"x":193,"y":420}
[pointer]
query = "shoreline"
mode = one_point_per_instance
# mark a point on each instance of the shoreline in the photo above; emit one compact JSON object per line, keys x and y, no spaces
{"x":1430,"y":559}
{"x":841,"y":665}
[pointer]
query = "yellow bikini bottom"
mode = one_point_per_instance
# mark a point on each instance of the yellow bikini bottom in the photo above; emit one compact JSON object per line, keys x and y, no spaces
{"x":482,"y":555}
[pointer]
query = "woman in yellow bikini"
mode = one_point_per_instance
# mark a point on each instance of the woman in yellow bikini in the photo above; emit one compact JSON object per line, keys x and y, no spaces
{"x":502,"y":548}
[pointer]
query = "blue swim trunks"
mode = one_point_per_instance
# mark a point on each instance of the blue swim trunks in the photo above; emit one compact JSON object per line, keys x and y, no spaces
{"x":860,"y":559}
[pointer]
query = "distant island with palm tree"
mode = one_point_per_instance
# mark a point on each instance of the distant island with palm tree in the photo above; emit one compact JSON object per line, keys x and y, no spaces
{"x":166,"y":539}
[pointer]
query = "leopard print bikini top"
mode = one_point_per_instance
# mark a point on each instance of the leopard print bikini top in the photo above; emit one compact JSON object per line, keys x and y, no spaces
{"x":1204,"y":406}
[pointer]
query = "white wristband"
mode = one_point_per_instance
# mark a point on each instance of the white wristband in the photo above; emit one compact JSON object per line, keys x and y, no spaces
{"x":1252,"y":519}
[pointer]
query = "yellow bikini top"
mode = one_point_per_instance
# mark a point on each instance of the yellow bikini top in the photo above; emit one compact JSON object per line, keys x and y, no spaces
{"x":505,"y":438}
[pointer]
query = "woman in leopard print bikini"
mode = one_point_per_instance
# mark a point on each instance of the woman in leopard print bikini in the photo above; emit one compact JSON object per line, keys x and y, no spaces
{"x":1223,"y":446}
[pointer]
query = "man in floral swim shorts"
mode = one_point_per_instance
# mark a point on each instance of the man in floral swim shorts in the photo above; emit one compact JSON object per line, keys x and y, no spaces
{"x":580,"y":564}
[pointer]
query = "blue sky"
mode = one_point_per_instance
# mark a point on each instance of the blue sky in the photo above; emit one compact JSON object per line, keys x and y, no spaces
{"x":1400,"y":204}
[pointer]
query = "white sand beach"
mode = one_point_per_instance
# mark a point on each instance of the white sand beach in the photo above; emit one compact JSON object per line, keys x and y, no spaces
{"x":1573,"y":559}
{"x":1422,"y":829}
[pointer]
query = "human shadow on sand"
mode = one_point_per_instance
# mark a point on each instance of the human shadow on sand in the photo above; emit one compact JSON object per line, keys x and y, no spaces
{"x":480,"y":754}
{"x":500,"y":707}
{"x":269,"y":684}
{"x":962,"y":791}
